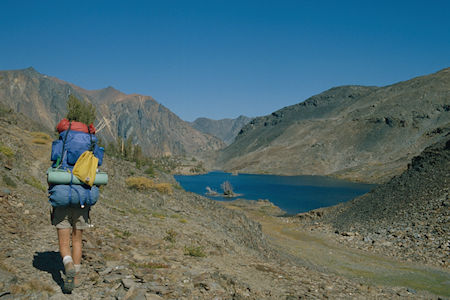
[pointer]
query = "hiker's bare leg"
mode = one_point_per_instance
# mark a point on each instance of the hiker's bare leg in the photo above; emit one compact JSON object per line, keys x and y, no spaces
{"x":77,"y":245}
{"x":64,"y":241}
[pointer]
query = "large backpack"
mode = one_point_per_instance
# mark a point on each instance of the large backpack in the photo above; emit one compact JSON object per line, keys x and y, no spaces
{"x":65,"y":153}
{"x":71,"y":144}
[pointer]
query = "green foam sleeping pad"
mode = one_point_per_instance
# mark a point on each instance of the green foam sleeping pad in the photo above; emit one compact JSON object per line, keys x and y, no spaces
{"x":59,"y":176}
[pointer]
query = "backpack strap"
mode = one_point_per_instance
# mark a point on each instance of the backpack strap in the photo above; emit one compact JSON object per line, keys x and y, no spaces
{"x":61,"y":158}
{"x":87,"y":192}
{"x":70,"y":188}
{"x":91,"y":147}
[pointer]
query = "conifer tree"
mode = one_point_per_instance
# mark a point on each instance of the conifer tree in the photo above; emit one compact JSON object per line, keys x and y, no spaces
{"x":137,"y":153}
{"x":80,"y":111}
{"x":128,"y":149}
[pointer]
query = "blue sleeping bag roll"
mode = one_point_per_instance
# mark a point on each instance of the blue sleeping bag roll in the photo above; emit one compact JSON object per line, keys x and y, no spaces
{"x":73,"y":195}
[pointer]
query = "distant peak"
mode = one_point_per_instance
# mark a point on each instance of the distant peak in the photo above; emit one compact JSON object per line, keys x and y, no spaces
{"x":110,"y":89}
{"x":31,"y":70}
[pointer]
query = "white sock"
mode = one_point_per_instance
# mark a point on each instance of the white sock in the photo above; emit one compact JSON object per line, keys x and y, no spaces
{"x":67,"y":259}
{"x":77,"y":268}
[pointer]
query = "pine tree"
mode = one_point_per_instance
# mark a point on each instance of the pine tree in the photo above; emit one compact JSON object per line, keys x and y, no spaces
{"x":227,"y":188}
{"x":80,"y":111}
{"x":128,"y":150}
{"x":137,"y":154}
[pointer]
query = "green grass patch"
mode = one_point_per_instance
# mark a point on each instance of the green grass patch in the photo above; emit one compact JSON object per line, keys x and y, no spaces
{"x":180,"y":218}
{"x":121,"y":234}
{"x":40,"y":141}
{"x":41,"y":138}
{"x":150,"y":171}
{"x":35,"y":183}
{"x":158,"y":215}
{"x":171,"y":236}
{"x":195,"y":251}
{"x":119,"y":210}
{"x":5,"y":150}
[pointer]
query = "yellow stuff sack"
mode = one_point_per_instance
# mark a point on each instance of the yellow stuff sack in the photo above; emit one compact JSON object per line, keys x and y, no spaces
{"x":86,"y":167}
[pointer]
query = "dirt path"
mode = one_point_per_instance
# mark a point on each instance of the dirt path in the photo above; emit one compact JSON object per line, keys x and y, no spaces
{"x":321,"y":252}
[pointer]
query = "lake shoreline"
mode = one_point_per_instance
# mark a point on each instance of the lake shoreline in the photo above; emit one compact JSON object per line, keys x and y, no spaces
{"x":293,"y":194}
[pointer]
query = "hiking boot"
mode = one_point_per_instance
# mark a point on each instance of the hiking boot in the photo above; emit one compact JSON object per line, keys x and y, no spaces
{"x":69,"y":283}
{"x":77,"y":280}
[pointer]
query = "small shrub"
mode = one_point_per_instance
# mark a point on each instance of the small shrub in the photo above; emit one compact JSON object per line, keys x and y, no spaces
{"x":199,"y":168}
{"x":35,"y":183}
{"x":150,"y":171}
{"x":6,"y":151}
{"x":158,"y":215}
{"x":144,"y":183}
{"x":138,"y":164}
{"x":8,"y":181}
{"x":171,"y":236}
{"x":194,"y":251}
{"x":177,"y":186}
{"x":122,"y":234}
{"x":180,"y":218}
{"x":135,"y":211}
{"x":164,"y":188}
{"x":139,"y":183}
{"x":41,"y":135}
{"x":39,"y":141}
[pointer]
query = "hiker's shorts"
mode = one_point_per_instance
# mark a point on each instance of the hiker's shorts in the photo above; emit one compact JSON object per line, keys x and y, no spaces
{"x":70,"y":217}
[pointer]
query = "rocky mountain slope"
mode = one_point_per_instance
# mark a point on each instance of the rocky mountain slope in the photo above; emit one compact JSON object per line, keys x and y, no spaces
{"x":355,"y":132}
{"x":149,"y":244}
{"x":151,"y":125}
{"x":224,"y":129}
{"x":407,"y":217}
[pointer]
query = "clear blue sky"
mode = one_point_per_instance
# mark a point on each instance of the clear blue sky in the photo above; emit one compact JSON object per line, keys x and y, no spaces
{"x":220,"y":59}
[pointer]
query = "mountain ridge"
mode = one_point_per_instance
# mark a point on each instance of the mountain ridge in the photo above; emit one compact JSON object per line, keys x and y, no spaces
{"x":148,"y":123}
{"x":353,"y":132}
{"x":225,"y":129}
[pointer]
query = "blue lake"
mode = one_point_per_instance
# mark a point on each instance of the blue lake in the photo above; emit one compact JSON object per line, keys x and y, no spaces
{"x":293,"y":194}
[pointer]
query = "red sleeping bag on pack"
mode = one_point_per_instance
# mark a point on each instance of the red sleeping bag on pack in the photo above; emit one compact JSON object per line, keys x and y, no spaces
{"x":63,"y":125}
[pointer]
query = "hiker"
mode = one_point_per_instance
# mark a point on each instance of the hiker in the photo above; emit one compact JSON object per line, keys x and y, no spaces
{"x":71,"y":202}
